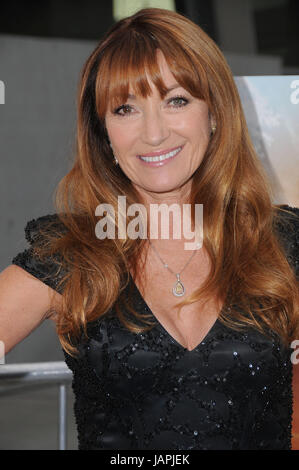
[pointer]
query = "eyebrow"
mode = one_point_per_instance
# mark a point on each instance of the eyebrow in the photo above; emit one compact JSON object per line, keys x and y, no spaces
{"x":173,"y":87}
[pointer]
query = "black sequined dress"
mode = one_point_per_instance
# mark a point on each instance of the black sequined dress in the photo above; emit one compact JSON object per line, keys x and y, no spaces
{"x":146,"y":391}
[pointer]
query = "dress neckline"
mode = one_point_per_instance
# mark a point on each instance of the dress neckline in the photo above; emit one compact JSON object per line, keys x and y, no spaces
{"x":159,"y":324}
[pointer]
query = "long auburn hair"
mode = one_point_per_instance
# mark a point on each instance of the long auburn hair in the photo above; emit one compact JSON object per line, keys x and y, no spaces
{"x":249,"y":266}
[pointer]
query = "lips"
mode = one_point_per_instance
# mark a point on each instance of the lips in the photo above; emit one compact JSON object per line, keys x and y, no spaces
{"x":160,"y":160}
{"x":159,"y":152}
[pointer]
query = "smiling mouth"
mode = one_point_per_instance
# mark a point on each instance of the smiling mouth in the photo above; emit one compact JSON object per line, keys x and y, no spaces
{"x":160,"y":158}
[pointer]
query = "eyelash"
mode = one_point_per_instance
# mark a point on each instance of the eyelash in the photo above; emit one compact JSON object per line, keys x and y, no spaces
{"x":186,"y":101}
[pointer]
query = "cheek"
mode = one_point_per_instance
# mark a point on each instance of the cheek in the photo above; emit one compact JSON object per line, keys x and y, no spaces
{"x":120,"y":139}
{"x":196,"y":125}
{"x":198,"y":133}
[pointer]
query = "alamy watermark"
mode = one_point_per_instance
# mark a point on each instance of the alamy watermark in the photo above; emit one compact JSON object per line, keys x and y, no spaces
{"x":295,"y":354}
{"x":137,"y":227}
{"x":2,"y":352}
{"x":2,"y":92}
{"x":294,"y":97}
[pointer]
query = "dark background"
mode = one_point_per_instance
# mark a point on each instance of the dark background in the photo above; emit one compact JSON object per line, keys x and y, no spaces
{"x":275,"y":22}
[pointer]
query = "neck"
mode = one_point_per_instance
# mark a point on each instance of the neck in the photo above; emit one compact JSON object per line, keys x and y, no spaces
{"x":165,"y":213}
{"x":179,"y":196}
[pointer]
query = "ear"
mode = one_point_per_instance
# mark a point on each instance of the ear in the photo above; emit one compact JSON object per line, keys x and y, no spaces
{"x":211,"y":119}
{"x":213,"y":124}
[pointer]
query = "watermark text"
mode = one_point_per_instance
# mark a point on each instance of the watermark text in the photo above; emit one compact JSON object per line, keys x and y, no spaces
{"x":2,"y":92}
{"x":181,"y":225}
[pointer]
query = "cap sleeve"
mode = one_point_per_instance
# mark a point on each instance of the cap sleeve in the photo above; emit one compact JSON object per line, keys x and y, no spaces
{"x":288,"y":231}
{"x":48,"y":270}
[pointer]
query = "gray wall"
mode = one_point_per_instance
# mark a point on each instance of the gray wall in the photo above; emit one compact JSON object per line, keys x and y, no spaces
{"x":37,"y":135}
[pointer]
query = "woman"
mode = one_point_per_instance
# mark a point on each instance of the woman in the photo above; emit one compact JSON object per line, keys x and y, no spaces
{"x":214,"y":370}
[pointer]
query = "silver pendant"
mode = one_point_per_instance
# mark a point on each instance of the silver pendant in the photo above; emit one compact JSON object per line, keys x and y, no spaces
{"x":178,"y":289}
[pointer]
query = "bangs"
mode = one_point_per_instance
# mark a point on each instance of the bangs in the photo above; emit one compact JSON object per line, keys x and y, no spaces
{"x":130,"y":64}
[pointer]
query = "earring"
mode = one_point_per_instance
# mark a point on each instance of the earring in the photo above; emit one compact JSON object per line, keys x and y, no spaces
{"x":115,"y":159}
{"x":214,"y":127}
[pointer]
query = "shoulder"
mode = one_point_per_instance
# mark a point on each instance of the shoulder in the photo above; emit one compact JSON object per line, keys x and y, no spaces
{"x":287,"y":214}
{"x":286,"y":224}
{"x":49,"y":269}
{"x":36,"y":227}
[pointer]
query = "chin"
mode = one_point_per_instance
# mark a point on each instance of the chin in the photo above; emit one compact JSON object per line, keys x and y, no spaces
{"x":163,"y":188}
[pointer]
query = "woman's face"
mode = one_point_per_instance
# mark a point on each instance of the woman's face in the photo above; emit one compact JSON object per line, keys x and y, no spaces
{"x":177,"y":128}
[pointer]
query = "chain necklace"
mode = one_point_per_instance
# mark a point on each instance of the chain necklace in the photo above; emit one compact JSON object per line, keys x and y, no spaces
{"x":178,"y":289}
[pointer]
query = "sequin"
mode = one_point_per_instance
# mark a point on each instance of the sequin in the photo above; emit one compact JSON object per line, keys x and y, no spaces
{"x":144,"y":391}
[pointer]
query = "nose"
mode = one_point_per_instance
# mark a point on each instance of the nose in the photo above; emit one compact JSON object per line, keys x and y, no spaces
{"x":154,"y":127}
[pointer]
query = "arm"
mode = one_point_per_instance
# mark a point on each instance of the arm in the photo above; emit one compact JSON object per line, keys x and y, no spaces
{"x":28,"y":289}
{"x":25,"y":303}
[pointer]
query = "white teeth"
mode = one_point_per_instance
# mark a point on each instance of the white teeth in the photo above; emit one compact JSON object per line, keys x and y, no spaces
{"x":161,"y":157}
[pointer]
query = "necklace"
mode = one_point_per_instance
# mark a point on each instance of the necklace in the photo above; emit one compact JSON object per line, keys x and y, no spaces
{"x":178,"y":289}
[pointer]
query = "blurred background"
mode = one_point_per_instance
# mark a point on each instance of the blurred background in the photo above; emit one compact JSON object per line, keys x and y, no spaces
{"x":43,"y":46}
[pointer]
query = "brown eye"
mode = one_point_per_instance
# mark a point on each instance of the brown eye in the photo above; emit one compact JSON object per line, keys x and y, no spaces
{"x":123,"y":107}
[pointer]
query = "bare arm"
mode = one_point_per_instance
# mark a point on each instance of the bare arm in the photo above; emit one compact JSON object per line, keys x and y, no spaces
{"x":24,"y":304}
